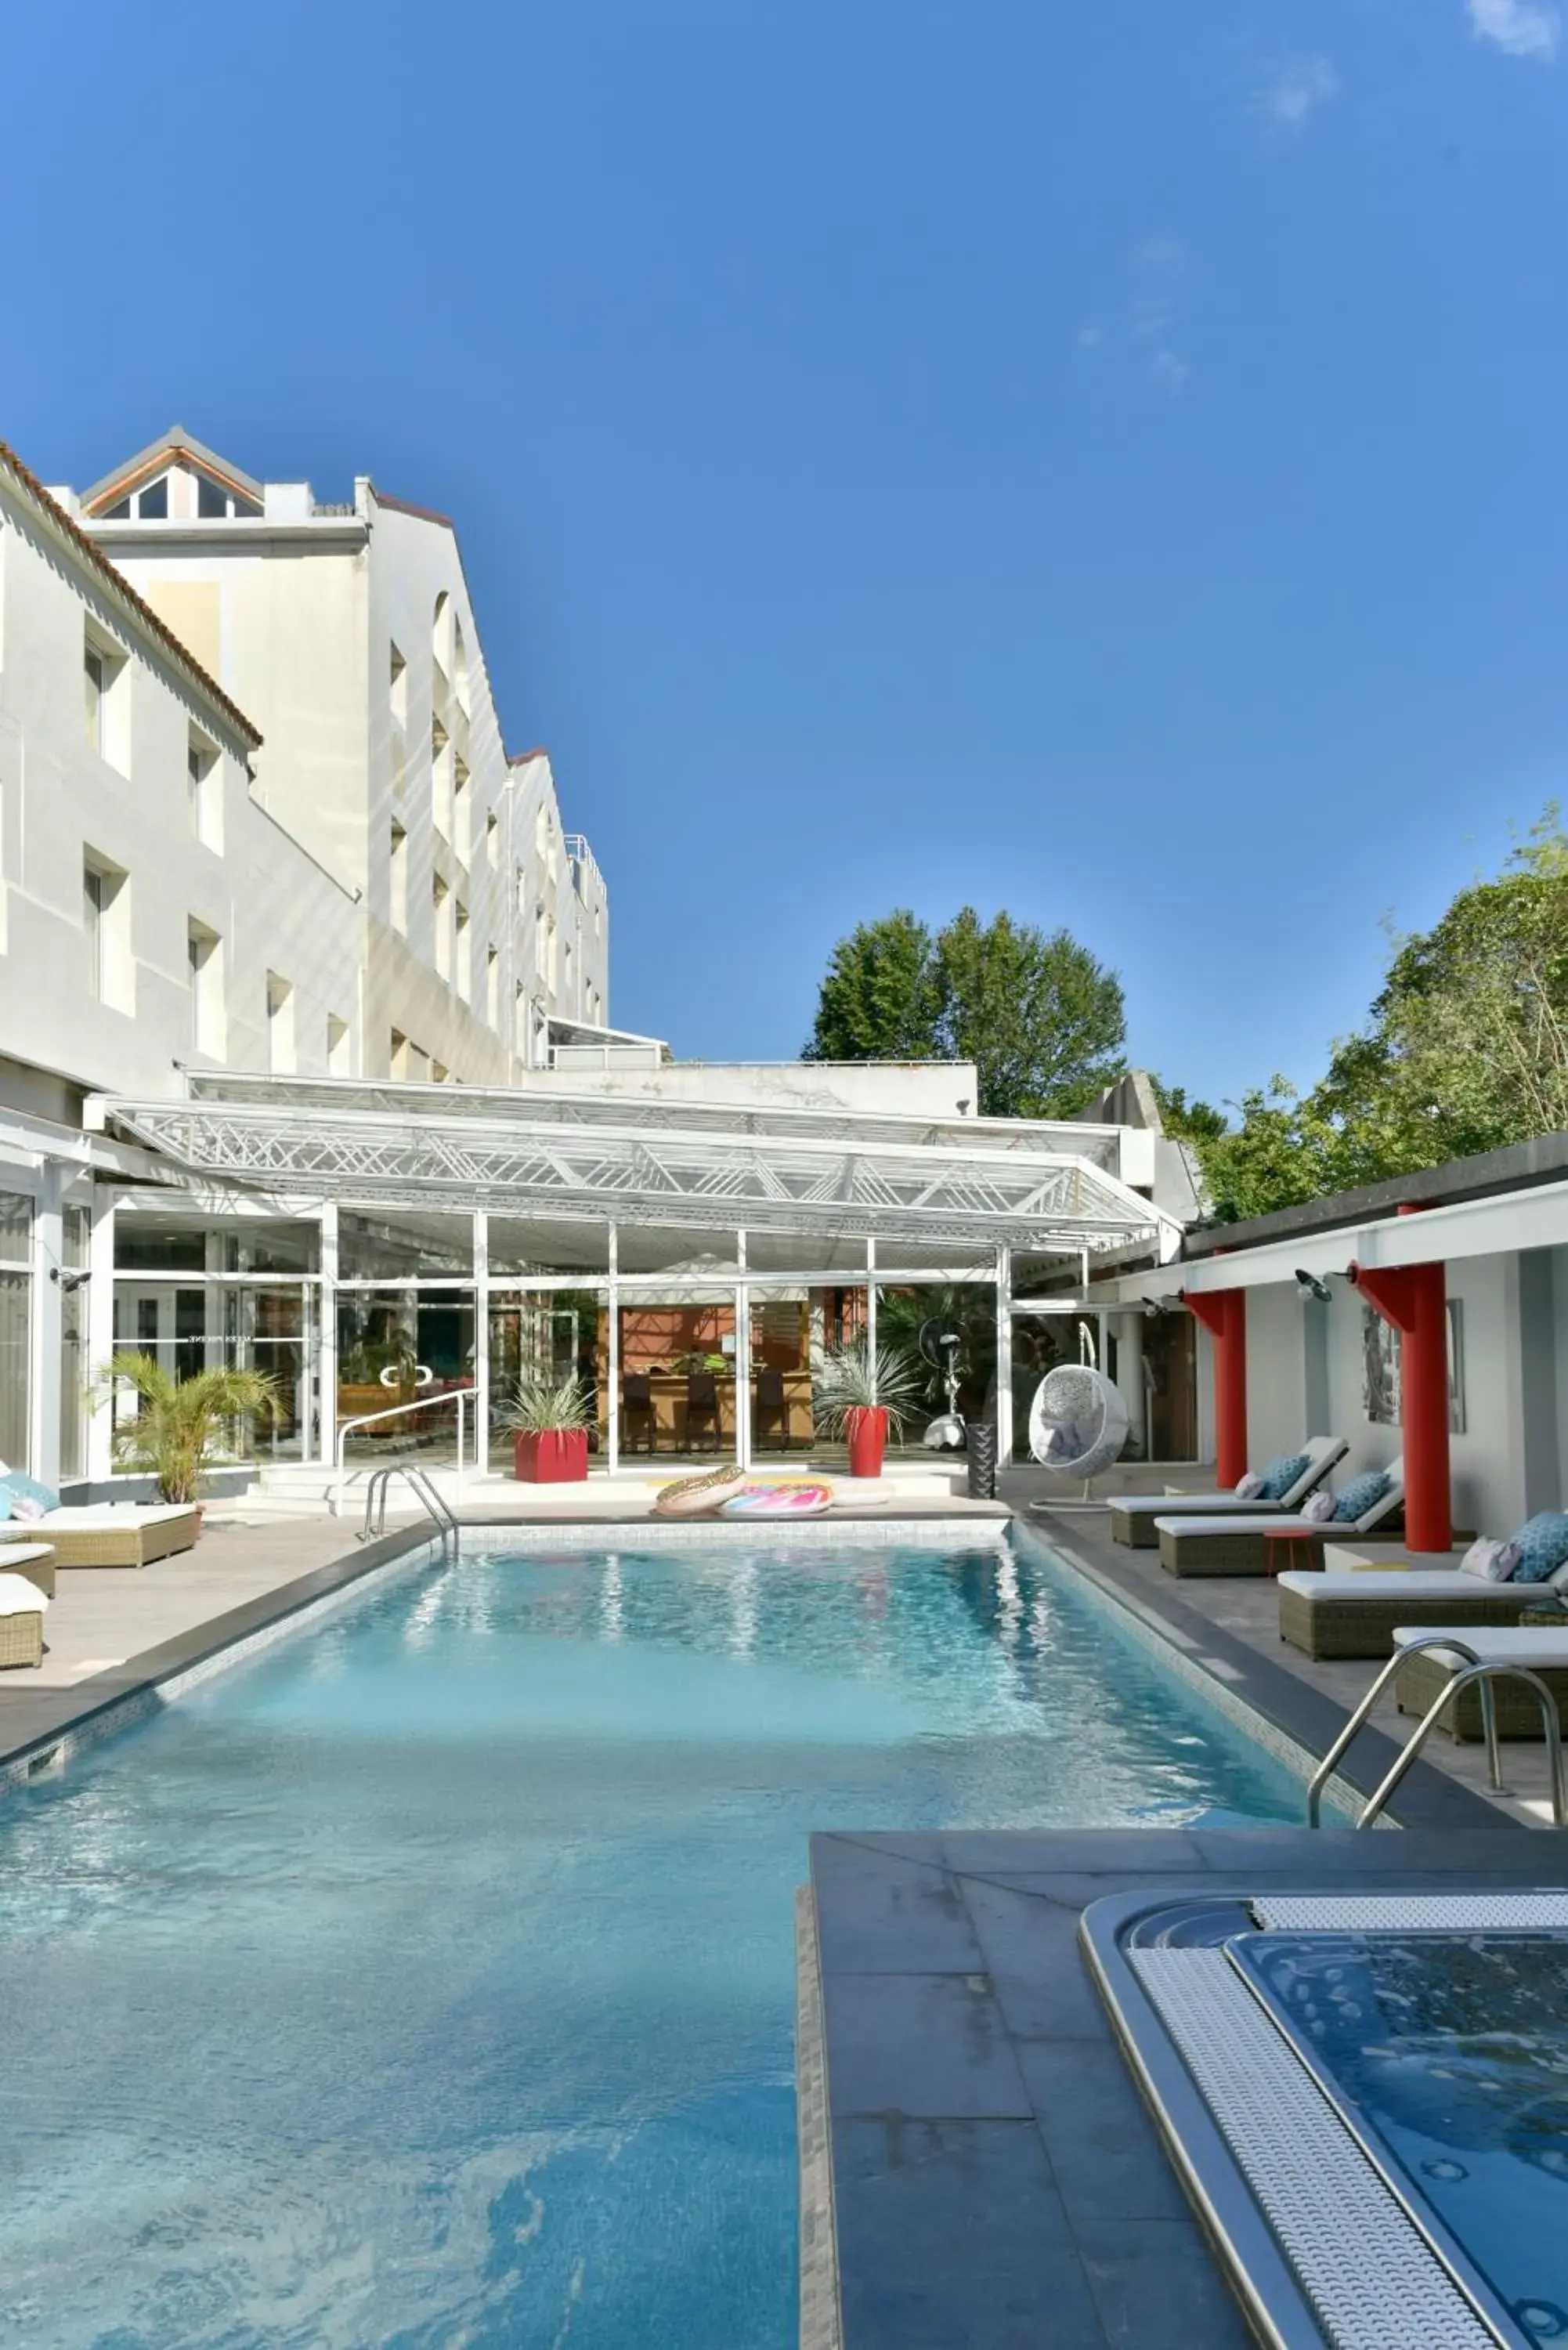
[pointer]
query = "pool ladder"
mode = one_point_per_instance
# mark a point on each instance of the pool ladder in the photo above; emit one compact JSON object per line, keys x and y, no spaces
{"x":423,"y":1491}
{"x":1478,"y":1672}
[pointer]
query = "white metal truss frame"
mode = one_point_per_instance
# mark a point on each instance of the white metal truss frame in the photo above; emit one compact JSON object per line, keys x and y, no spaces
{"x":532,"y":1160}
{"x":626,"y":1107}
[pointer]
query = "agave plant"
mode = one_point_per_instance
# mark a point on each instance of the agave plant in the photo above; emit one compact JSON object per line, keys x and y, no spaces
{"x":538,"y":1407}
{"x":179,"y":1423}
{"x":861,"y":1377}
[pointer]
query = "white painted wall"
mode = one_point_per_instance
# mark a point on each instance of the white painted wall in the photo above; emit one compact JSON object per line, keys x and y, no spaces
{"x":871,"y":1088}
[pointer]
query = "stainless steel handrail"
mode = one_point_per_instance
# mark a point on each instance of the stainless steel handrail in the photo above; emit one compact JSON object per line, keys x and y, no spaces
{"x":1478,"y":1671}
{"x":396,"y":1411}
{"x":424,"y":1493}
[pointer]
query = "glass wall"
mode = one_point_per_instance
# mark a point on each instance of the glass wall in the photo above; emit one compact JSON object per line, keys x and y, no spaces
{"x":15,"y":1327}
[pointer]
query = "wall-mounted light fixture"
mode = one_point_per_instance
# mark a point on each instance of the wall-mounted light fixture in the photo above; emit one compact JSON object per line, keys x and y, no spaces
{"x":68,"y":1281}
{"x":1311,"y":1287}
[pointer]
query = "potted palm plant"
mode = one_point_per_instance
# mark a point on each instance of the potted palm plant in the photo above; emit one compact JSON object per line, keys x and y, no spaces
{"x":861,"y":1392}
{"x":178,"y":1429}
{"x":549,"y":1421}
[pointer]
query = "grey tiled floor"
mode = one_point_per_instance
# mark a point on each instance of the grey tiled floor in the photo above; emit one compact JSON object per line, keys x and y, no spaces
{"x":998,"y":2183}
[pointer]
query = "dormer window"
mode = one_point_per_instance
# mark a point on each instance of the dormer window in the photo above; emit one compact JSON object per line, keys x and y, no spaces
{"x":152,"y":503}
{"x":178,"y":494}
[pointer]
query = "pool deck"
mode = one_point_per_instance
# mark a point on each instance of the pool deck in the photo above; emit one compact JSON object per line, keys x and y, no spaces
{"x":996,"y":2181}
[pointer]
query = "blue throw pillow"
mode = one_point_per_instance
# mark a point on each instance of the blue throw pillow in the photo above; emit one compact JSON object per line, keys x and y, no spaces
{"x":1281,"y":1475}
{"x":17,"y":1485}
{"x":1359,"y":1496}
{"x":1543,"y":1548}
{"x":5,"y":1502}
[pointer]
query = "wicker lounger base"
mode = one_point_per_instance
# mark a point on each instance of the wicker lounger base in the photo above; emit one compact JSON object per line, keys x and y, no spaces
{"x":1232,"y":1554}
{"x":1135,"y":1528}
{"x":22,"y":1640}
{"x":1417,"y":1683}
{"x":1323,"y":1627}
{"x":127,"y":1546}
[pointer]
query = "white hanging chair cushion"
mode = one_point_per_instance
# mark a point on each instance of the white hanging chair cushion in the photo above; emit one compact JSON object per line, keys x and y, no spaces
{"x":1077,"y":1422}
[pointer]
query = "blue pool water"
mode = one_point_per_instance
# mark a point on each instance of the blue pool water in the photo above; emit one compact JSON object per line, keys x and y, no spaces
{"x":428,"y":1979}
{"x":1449,"y":2053}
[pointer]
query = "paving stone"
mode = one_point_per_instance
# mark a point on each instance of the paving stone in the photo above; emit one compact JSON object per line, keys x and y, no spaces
{"x":930,"y":2044}
{"x":952,"y":2237}
{"x":882,"y":1910}
{"x":1156,"y":2288}
{"x":1105,"y":2156}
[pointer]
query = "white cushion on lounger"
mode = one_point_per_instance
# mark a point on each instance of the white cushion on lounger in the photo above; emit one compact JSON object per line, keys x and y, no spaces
{"x":1523,"y":1644}
{"x":1413,"y":1583}
{"x":1323,"y":1452}
{"x":87,"y":1514}
{"x":1243,"y":1522}
{"x":18,"y":1595}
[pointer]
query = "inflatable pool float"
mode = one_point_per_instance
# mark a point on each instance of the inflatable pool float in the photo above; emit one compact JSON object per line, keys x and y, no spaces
{"x":798,"y":1497}
{"x":699,"y":1497}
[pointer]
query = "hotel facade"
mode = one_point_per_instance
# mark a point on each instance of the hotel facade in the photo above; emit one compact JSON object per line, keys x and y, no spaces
{"x":306,"y":1062}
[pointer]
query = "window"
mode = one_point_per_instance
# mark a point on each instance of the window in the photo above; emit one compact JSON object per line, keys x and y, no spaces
{"x":15,"y":1325}
{"x":152,"y":506}
{"x":520,"y":1023}
{"x":205,"y":791}
{"x":492,"y":840}
{"x":204,"y":953}
{"x":397,"y":912}
{"x":464,"y":953}
{"x":212,"y":503}
{"x":492,"y":987}
{"x":106,"y":931}
{"x":440,"y":636}
{"x":440,"y":778}
{"x":399,"y":1061}
{"x":279,"y":1025}
{"x":96,"y":685}
{"x":106,"y":703}
{"x":440,"y":1074}
{"x":339,"y":1047}
{"x":399,"y":689}
{"x":441,"y":908}
{"x":460,"y":809}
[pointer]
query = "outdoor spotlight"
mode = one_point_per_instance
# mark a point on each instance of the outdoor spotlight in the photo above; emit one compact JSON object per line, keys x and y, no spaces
{"x":1311,"y":1287}
{"x":67,"y":1280}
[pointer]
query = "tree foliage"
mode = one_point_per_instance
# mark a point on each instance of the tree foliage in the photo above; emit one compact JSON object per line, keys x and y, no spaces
{"x":1464,"y":1050}
{"x":1042,"y":1021}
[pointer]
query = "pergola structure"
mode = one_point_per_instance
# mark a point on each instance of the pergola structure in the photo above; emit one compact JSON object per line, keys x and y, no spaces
{"x":814,"y":1194}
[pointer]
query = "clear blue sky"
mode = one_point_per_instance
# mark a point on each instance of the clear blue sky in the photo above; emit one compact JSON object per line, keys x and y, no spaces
{"x":1103,"y":459}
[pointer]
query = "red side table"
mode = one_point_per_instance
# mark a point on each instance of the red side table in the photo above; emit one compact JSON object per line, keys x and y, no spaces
{"x":1280,"y":1551}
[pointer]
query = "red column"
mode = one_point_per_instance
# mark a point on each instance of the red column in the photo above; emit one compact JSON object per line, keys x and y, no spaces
{"x":1414,"y":1298}
{"x":1223,"y":1313}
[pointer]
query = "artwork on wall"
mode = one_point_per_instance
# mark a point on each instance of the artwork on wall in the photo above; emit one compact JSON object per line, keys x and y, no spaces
{"x":1380,"y":1395}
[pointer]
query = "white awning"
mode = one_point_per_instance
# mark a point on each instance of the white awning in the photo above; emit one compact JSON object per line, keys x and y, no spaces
{"x":968,"y":1182}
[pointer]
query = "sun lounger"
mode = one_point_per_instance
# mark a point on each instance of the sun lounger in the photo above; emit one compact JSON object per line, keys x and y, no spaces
{"x":22,"y":1607}
{"x":1219,"y":1545}
{"x":1544,"y":1649}
{"x":114,"y":1533}
{"x":34,"y":1561}
{"x":1132,"y":1515}
{"x":1333,"y":1614}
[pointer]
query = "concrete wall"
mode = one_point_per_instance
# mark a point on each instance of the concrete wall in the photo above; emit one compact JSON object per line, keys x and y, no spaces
{"x":269,"y":907}
{"x":1305,"y":1378}
{"x":871,"y":1088}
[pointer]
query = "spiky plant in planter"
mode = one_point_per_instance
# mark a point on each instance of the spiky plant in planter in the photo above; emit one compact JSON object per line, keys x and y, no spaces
{"x":861,"y":1392}
{"x":549,"y":1421}
{"x":179,"y":1424}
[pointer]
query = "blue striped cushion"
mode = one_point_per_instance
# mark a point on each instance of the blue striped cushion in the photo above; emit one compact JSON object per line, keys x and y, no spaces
{"x":1360,"y":1494}
{"x":1543,"y":1548}
{"x":1282,"y":1474}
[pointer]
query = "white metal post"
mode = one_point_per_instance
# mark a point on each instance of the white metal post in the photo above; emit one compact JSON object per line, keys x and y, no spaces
{"x":1005,"y":1357}
{"x":481,"y":1342}
{"x":326,"y":1345}
{"x":47,"y":1265}
{"x":100,"y":1334}
{"x":612,"y":1413}
{"x":871,"y":1314}
{"x":742,"y":1359}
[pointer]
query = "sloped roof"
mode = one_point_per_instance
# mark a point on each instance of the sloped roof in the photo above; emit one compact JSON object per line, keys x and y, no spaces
{"x":168,"y":449}
{"x":124,"y":593}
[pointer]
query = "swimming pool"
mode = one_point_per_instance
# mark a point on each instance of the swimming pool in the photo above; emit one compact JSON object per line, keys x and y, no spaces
{"x":427,"y":1978}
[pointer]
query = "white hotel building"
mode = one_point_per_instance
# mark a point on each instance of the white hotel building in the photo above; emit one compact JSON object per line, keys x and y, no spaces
{"x":305,"y":1054}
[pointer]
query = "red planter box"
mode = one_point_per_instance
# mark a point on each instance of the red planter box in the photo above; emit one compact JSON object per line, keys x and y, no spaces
{"x":554,"y":1456}
{"x":865,"y":1430}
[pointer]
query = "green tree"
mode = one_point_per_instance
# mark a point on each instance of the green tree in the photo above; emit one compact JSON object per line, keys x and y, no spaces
{"x":1465,"y":1049}
{"x":1042,"y":1022}
{"x":879,"y":1000}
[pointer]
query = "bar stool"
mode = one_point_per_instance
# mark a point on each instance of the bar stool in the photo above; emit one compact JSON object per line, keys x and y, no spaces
{"x":702,"y":1404}
{"x":637,"y":1403}
{"x":773,"y":1403}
